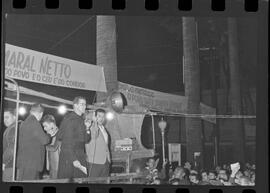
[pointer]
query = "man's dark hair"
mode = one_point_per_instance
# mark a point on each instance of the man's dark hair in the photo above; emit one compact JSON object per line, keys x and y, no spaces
{"x":48,"y":119}
{"x":37,"y":107}
{"x":175,"y":180}
{"x":213,"y":172}
{"x":99,"y":111}
{"x":196,"y":175}
{"x":203,"y":171}
{"x":10,"y":110}
{"x":76,"y":99}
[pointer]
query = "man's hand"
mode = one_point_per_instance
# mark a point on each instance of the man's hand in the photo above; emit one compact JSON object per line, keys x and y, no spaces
{"x":3,"y":166}
{"x":76,"y":164}
{"x":94,"y":118}
{"x":235,"y":168}
{"x":88,"y":123}
{"x":165,"y":163}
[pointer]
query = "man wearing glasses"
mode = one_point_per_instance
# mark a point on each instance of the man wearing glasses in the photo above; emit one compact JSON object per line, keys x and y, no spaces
{"x":73,"y":135}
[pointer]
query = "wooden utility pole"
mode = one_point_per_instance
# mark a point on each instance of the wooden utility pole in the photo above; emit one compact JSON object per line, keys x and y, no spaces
{"x":192,"y":89}
{"x":238,"y":138}
{"x":106,"y":53}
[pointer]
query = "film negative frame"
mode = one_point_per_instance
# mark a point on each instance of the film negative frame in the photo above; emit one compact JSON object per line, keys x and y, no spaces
{"x":233,"y":8}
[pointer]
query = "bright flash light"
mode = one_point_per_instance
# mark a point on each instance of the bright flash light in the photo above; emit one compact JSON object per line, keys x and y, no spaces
{"x":109,"y":116}
{"x":22,"y":111}
{"x":62,"y":109}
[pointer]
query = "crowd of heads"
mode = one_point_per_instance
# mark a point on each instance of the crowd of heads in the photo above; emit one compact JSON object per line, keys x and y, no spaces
{"x":218,"y":176}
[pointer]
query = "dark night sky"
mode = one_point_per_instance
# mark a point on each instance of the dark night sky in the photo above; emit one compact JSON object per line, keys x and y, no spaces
{"x":149,"y":49}
{"x":41,"y":33}
{"x":148,"y":54}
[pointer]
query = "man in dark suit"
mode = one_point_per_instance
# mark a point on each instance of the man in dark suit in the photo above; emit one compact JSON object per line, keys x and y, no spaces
{"x":73,"y":136}
{"x":31,"y":146}
{"x":98,"y":154}
{"x":8,"y":143}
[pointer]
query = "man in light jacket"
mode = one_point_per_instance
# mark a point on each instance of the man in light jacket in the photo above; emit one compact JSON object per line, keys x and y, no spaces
{"x":97,"y":150}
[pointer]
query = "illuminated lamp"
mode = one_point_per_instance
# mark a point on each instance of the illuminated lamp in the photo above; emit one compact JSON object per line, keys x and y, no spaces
{"x":22,"y":110}
{"x":62,"y":109}
{"x":109,"y":116}
{"x":162,"y":125}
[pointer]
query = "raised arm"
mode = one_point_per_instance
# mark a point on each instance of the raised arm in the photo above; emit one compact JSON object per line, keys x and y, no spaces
{"x":94,"y":131}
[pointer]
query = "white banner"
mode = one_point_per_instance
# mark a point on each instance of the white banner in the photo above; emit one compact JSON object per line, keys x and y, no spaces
{"x":29,"y":65}
{"x":159,"y":101}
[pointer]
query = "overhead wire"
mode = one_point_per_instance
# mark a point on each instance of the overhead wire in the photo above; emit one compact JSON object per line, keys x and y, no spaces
{"x":71,"y":33}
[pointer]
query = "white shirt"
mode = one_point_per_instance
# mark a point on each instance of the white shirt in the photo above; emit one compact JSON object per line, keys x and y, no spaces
{"x":103,"y":131}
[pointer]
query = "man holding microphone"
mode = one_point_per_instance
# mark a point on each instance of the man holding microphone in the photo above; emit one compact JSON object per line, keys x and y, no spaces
{"x":97,"y":150}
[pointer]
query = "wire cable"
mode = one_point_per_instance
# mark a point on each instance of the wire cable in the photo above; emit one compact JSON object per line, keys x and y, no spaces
{"x":70,"y":34}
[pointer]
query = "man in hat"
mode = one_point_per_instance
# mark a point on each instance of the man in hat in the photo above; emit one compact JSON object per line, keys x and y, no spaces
{"x":31,"y":147}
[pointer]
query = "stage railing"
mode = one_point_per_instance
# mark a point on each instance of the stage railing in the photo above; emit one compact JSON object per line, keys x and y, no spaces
{"x":118,"y":179}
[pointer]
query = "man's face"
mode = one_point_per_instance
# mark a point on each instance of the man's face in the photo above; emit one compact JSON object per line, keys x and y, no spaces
{"x":211,"y":176}
{"x":48,"y":126}
{"x":100,"y":118}
{"x":151,"y":163}
{"x":187,"y":165}
{"x":204,"y":176}
{"x":222,"y":175}
{"x":238,"y":174}
{"x":218,"y":168}
{"x":80,"y":106}
{"x":193,"y":179}
{"x":39,"y":116}
{"x":179,"y":173}
{"x":156,"y":182}
{"x":9,"y":119}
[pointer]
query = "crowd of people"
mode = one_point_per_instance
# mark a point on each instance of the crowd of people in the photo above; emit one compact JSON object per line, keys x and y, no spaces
{"x":80,"y":148}
{"x":227,"y":175}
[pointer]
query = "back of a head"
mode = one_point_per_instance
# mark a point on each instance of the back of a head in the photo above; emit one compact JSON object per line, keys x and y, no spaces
{"x":11,"y":111}
{"x":49,"y":119}
{"x":37,"y":108}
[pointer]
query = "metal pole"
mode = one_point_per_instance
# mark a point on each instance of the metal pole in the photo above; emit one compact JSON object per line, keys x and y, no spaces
{"x":214,"y":101}
{"x":16,"y":128}
{"x":163,"y":147}
{"x":154,"y":135}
